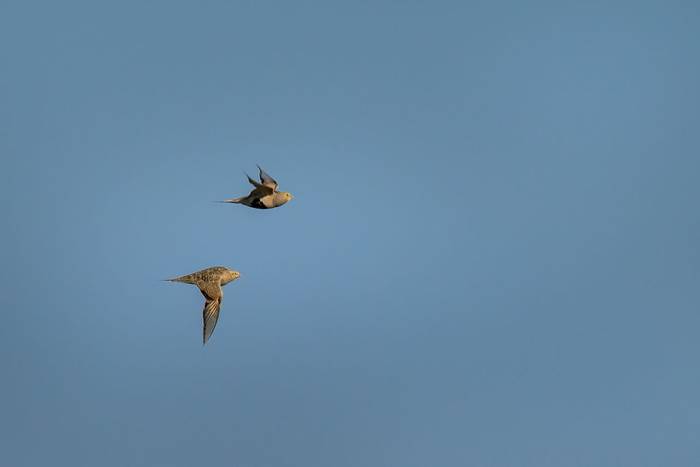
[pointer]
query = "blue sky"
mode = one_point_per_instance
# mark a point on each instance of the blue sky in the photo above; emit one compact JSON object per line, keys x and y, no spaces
{"x":491,"y":258}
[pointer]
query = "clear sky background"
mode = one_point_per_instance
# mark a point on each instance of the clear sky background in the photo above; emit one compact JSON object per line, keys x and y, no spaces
{"x":491,"y":258}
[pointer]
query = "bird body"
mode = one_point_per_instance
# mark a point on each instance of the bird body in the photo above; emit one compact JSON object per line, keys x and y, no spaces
{"x":264,"y":194}
{"x":262,"y":202}
{"x":210,"y":282}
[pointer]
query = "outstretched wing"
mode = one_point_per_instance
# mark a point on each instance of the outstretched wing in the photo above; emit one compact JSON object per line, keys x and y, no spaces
{"x":266,"y":180}
{"x":260,"y":190}
{"x":210,"y":315}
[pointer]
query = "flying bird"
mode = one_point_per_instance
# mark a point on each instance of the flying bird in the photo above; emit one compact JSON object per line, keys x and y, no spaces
{"x":210,"y":281}
{"x":264,"y":195}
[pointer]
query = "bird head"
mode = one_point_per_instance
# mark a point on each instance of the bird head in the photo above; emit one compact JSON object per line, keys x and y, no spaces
{"x":286,"y":196}
{"x":230,"y":276}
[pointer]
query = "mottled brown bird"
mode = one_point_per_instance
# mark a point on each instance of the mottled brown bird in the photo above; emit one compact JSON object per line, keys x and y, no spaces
{"x":210,"y":281}
{"x":264,"y":195}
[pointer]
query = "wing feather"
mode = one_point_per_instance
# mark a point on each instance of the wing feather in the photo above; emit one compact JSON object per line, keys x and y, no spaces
{"x":210,"y":315}
{"x":260,"y":189}
{"x":266,"y":180}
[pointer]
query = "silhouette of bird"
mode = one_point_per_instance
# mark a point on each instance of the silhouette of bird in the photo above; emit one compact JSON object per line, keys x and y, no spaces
{"x":210,"y":281}
{"x":264,"y":195}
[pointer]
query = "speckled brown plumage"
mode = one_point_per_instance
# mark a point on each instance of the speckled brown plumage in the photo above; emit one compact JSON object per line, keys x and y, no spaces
{"x":210,"y":282}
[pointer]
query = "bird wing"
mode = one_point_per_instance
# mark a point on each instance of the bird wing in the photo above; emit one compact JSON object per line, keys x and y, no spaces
{"x":260,"y":190}
{"x":266,"y":180}
{"x":210,"y":315}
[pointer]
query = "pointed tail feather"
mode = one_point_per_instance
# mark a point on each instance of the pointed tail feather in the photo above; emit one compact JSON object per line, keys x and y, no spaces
{"x":186,"y":279}
{"x":232,"y":200}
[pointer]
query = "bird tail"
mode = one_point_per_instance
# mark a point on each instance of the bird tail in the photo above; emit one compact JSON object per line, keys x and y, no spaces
{"x":232,"y":200}
{"x":188,"y":279}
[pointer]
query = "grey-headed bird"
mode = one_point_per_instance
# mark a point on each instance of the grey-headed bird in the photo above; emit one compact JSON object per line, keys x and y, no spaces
{"x":210,"y":281}
{"x":264,"y":195}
